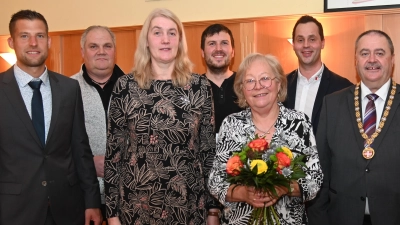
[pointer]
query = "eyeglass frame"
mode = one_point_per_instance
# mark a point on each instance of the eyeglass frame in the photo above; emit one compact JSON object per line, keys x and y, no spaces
{"x":255,"y":84}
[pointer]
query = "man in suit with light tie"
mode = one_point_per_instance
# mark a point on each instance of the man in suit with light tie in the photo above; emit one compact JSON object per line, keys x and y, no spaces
{"x":359,"y":145}
{"x":47,"y":175}
{"x":308,"y":84}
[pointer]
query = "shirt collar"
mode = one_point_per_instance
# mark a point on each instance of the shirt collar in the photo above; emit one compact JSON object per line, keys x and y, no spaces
{"x":314,"y":77}
{"x":382,"y":92}
{"x":117,"y":72}
{"x":24,"y":78}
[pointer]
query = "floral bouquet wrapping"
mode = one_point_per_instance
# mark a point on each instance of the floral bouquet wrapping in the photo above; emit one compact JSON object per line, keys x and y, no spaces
{"x":258,"y":166}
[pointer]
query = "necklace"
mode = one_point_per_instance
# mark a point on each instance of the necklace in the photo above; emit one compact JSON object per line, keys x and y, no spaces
{"x":100,"y":83}
{"x":264,"y":132}
{"x":369,"y":152}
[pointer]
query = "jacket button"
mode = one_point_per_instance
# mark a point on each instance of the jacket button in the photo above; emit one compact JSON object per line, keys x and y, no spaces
{"x":367,"y":170}
{"x":362,"y":199}
{"x":44,"y":183}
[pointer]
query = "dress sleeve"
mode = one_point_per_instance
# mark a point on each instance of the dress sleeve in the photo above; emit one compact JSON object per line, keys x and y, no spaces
{"x":207,"y":138}
{"x":117,"y":143}
{"x":228,"y":142}
{"x":306,"y":144}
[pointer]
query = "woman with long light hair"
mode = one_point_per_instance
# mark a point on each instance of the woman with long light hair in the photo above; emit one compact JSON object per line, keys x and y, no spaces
{"x":160,"y":133}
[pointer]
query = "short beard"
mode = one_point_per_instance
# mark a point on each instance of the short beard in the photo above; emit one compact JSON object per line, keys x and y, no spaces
{"x":217,"y":69}
{"x":39,"y":62}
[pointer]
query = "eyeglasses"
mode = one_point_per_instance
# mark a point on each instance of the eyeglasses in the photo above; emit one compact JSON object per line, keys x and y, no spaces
{"x":265,"y":82}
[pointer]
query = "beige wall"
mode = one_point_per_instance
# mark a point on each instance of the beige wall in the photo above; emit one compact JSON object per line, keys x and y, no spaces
{"x":79,"y":14}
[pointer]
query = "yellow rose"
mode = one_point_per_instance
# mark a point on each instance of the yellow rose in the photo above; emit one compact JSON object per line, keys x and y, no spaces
{"x":287,"y":152}
{"x":261,"y":166}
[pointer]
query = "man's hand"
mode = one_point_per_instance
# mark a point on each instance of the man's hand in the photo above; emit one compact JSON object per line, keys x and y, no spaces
{"x":99,"y":165}
{"x":93,"y":215}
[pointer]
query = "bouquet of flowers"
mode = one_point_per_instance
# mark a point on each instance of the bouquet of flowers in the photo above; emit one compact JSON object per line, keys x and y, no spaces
{"x":263,"y":168}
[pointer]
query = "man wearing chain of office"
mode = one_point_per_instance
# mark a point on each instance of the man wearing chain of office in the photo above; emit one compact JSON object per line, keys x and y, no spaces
{"x":358,"y":142}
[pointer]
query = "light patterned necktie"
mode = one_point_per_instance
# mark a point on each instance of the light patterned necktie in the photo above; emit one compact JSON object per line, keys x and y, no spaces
{"x":370,"y":116}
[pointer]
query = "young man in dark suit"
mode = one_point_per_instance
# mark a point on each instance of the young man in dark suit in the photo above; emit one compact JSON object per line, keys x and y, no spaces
{"x":308,"y":84}
{"x":47,"y":175}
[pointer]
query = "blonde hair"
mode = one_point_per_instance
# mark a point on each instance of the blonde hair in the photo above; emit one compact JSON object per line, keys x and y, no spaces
{"x":142,"y":71}
{"x":276,"y":68}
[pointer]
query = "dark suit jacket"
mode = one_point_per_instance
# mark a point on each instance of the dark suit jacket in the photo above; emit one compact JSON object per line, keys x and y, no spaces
{"x":348,"y":177}
{"x":61,"y":174}
{"x":330,"y":82}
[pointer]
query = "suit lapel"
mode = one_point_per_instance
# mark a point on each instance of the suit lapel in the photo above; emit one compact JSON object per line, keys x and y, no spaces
{"x":56,"y":101}
{"x":389,"y":119}
{"x":322,"y":90}
{"x":292,"y":88}
{"x":354,"y":125}
{"x":11,"y":90}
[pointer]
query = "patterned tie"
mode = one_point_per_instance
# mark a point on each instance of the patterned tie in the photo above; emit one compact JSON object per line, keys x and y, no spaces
{"x":370,"y":115}
{"x":37,"y":110}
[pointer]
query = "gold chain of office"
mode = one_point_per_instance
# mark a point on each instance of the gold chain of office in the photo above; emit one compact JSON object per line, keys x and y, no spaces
{"x":369,"y":152}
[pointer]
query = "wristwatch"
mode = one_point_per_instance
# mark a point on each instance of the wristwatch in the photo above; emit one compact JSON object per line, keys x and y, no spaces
{"x":214,"y":213}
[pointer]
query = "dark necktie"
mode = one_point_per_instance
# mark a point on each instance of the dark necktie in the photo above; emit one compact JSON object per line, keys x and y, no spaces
{"x":37,"y":110}
{"x":370,"y":115}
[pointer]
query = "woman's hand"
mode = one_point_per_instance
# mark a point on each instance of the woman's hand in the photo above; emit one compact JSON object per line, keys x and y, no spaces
{"x":257,"y":199}
{"x":263,"y":199}
{"x":211,"y":220}
{"x":114,"y":221}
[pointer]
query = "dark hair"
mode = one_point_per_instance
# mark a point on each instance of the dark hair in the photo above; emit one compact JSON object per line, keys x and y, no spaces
{"x":308,"y":19}
{"x":378,"y":32}
{"x":215,"y":29}
{"x":26,"y":15}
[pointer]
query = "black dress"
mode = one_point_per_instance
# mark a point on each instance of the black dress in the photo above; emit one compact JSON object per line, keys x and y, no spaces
{"x":160,"y":149}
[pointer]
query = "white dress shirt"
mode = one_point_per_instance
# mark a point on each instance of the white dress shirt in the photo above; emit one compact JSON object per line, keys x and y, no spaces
{"x":23,"y":80}
{"x":306,"y":91}
{"x":379,"y":102}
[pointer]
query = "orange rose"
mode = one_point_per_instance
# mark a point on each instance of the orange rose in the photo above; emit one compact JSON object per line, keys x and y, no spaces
{"x":258,"y":145}
{"x":233,"y":165}
{"x":283,"y":160}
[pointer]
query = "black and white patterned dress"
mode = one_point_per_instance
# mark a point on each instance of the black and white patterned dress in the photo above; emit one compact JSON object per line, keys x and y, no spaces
{"x":160,"y":150}
{"x":292,"y":129}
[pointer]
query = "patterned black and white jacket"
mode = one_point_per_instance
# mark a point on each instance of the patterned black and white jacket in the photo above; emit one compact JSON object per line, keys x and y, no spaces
{"x":292,"y":129}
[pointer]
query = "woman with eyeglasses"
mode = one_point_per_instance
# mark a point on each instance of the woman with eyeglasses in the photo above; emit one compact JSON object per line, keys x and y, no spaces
{"x":261,"y":86}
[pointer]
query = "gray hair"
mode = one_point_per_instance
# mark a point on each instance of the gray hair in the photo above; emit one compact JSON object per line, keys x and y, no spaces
{"x":378,"y":32}
{"x":85,"y":33}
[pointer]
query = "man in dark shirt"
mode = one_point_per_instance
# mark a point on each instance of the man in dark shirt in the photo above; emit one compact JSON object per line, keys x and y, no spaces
{"x":96,"y":79}
{"x":217,"y":49}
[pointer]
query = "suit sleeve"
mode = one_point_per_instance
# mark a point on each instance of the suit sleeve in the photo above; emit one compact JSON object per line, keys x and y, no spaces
{"x":83,"y":157}
{"x":317,"y":212}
